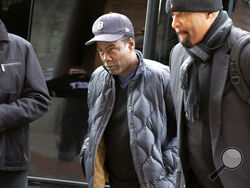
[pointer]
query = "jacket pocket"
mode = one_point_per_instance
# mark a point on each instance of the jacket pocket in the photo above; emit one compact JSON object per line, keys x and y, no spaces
{"x":16,"y":146}
{"x":178,"y":179}
{"x":7,"y":97}
{"x":10,"y":64}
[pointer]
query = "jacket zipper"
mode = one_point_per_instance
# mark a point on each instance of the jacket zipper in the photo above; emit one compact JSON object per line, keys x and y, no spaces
{"x":26,"y":157}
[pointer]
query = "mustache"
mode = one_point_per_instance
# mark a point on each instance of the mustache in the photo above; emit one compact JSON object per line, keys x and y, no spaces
{"x":181,"y":32}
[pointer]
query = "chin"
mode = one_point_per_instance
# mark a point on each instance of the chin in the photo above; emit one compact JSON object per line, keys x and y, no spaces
{"x":186,"y":44}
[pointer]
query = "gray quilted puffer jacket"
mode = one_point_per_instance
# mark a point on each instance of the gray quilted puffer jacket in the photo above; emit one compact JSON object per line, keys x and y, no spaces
{"x":152,"y":126}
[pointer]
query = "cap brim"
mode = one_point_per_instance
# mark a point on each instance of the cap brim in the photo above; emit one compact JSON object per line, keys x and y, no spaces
{"x":105,"y":38}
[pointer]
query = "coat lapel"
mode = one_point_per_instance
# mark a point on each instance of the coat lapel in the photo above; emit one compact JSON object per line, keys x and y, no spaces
{"x":218,"y":80}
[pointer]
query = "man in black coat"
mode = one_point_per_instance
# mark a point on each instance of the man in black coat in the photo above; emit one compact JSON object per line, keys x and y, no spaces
{"x":24,"y":97}
{"x":213,"y":121}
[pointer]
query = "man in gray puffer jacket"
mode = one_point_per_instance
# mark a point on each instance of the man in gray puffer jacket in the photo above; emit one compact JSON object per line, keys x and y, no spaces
{"x":132,"y":128}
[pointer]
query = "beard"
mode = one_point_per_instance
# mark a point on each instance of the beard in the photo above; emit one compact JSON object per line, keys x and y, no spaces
{"x":186,"y":42}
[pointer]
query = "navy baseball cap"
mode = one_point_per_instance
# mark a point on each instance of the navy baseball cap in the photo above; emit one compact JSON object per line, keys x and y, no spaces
{"x":111,"y":27}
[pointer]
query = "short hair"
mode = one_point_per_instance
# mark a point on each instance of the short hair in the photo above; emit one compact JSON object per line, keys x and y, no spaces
{"x":126,"y":38}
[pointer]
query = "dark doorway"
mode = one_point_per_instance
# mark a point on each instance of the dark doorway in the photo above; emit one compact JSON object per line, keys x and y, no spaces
{"x":16,"y":15}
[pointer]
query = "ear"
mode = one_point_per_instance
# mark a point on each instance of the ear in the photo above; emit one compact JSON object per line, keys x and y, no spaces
{"x":131,"y":44}
{"x":212,"y":15}
{"x":209,"y":15}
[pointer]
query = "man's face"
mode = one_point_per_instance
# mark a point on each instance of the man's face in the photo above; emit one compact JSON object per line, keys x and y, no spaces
{"x":116,"y":56}
{"x":191,"y":27}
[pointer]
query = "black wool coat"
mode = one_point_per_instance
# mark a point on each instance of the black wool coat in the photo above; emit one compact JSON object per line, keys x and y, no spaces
{"x":229,"y":116}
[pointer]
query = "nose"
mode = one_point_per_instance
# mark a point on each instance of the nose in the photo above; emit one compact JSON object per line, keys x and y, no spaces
{"x":106,"y":57}
{"x":175,"y":22}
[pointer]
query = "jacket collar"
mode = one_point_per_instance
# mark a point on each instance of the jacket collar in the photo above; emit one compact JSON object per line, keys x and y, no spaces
{"x":3,"y":32}
{"x":141,"y":65}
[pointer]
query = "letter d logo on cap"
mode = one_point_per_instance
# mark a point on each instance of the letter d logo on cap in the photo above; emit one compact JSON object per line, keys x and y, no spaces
{"x":100,"y":25}
{"x":171,"y":4}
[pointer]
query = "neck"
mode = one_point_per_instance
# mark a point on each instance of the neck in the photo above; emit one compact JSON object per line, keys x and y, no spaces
{"x":133,"y":61}
{"x":134,"y":58}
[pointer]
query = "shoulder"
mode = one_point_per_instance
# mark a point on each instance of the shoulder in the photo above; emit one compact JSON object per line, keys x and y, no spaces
{"x":177,"y":49}
{"x":234,"y":36}
{"x":17,"y":40}
{"x":18,"y":45}
{"x":98,"y":76}
{"x":156,"y":68}
{"x":99,"y":72}
{"x":19,"y":48}
{"x":177,"y":54}
{"x":244,"y":59}
{"x":155,"y":71}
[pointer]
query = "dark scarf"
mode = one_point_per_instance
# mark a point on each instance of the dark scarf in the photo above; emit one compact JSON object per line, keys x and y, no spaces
{"x":200,"y":53}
